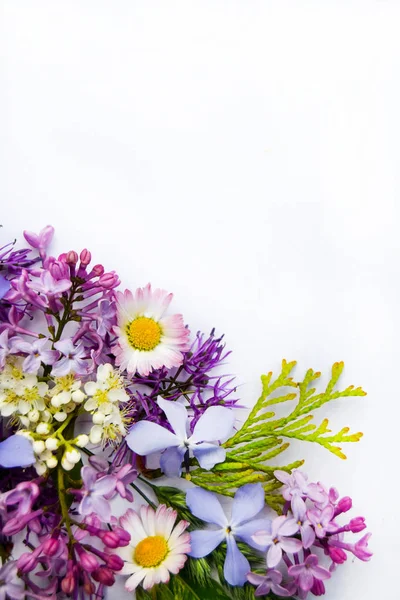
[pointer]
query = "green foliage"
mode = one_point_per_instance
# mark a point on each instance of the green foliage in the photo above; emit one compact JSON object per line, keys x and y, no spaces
{"x":263,"y":436}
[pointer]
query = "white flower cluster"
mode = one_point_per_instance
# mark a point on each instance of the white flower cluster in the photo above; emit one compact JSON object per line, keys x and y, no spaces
{"x":46,"y":410}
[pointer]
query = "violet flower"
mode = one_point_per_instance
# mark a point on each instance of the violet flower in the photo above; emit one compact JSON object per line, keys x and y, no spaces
{"x":296,"y":487}
{"x":307,"y":572}
{"x":215,"y":424}
{"x":270,"y":582}
{"x":36,"y":353}
{"x":16,"y":451}
{"x":322,"y":520}
{"x":248,"y":502}
{"x":306,"y":530}
{"x":40,"y":241}
{"x":11,"y":586}
{"x":48,"y":286}
{"x":106,"y":317}
{"x":278,"y":539}
{"x":5,"y":349}
{"x":123,"y":476}
{"x":94,"y":491}
{"x":72,"y":361}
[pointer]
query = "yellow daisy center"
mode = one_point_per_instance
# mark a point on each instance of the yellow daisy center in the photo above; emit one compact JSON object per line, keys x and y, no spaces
{"x":144,"y":334}
{"x":151,"y":551}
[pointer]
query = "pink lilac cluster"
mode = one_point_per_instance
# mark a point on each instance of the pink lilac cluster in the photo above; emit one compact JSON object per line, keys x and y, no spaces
{"x":307,"y":539}
{"x":86,"y":564}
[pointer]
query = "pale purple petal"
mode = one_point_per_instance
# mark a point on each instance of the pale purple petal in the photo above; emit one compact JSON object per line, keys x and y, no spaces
{"x":49,"y":357}
{"x":249,"y":500}
{"x":307,"y":536}
{"x":284,"y":477}
{"x":209,"y":455}
{"x":236,"y":564}
{"x":86,"y":507}
{"x":104,"y":485}
{"x":171,"y":461}
{"x":65,"y":346}
{"x":203,"y":542}
{"x":215,"y":424}
{"x":320,"y":572}
{"x":16,"y":451}
{"x":288,"y":527}
{"x":146,"y":437}
{"x":31,"y":364}
{"x":32,"y":238}
{"x":4,"y":286}
{"x":102,"y":508}
{"x":62,"y":367}
{"x":255,"y":578}
{"x":247,"y":531}
{"x":89,"y":476}
{"x":274,"y":556}
{"x":306,"y":580}
{"x":262,"y":538}
{"x":176,"y":414}
{"x":205,"y":506}
{"x":290,"y":545}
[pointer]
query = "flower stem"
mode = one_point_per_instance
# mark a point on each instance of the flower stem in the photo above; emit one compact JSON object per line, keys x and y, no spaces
{"x":63,"y":504}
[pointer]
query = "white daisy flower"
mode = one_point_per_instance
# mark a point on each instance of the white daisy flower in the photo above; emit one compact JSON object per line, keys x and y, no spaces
{"x":147,"y":339}
{"x":156,"y":548}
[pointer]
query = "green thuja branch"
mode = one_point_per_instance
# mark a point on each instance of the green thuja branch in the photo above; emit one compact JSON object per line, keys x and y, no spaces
{"x":263,"y":436}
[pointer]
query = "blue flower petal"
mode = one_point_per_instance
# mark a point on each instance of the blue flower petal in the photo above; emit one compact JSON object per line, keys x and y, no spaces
{"x":236,"y":565}
{"x":146,"y":437}
{"x":16,"y":451}
{"x":249,"y":500}
{"x":244,"y":532}
{"x":205,"y":505}
{"x":171,"y":461}
{"x":209,"y":455}
{"x":205,"y":541}
{"x":215,"y":424}
{"x":4,"y":286}
{"x":176,"y":414}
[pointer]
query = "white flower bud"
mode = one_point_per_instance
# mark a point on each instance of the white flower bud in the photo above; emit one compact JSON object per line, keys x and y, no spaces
{"x":46,"y":455}
{"x":55,"y":402}
{"x":66,"y":464}
{"x":43,"y":428}
{"x":40,"y":467}
{"x":98,"y":418}
{"x":73,"y":456}
{"x":70,"y":407}
{"x":96,"y":434}
{"x":33,"y":416}
{"x":52,"y":462}
{"x":46,"y":416}
{"x":38,"y":446}
{"x":82,"y":440}
{"x":60,"y":416}
{"x":25,"y":434}
{"x":52,"y":443}
{"x":78,"y":396}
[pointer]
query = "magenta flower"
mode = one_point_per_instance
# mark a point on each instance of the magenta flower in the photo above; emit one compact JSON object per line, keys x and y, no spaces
{"x":270,"y":582}
{"x":36,"y":353}
{"x":72,"y":361}
{"x":307,"y":572}
{"x":48,"y":286}
{"x":94,"y":491}
{"x":322,"y":520}
{"x":361,"y":549}
{"x":279,"y":539}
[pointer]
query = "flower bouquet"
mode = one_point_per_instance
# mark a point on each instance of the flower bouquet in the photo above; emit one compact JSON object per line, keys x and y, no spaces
{"x":103,"y":393}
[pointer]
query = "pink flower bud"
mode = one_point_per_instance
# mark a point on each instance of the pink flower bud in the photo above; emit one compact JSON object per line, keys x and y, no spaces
{"x":109,"y":539}
{"x":109,"y":280}
{"x":51,"y":546}
{"x":27,"y":561}
{"x":85,"y":257}
{"x":104,"y":575}
{"x":357,"y":524}
{"x":88,"y":585}
{"x":18,"y":523}
{"x":72,"y":257}
{"x":337,"y":555}
{"x":343,"y":505}
{"x":98,"y":270}
{"x":87,"y":561}
{"x":68,"y":583}
{"x":114,"y":562}
{"x":318,"y":588}
{"x":124,"y":536}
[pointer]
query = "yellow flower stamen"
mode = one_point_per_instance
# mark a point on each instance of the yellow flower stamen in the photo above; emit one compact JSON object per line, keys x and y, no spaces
{"x":151,"y":551}
{"x":144,"y":334}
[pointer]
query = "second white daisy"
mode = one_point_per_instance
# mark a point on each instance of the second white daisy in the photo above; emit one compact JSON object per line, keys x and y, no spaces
{"x":156,"y":549}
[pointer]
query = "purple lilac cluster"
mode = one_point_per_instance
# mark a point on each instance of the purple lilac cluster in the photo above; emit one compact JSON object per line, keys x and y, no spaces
{"x":197,"y":380}
{"x":307,"y":539}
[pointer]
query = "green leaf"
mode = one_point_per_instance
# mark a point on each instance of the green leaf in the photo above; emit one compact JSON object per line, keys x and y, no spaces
{"x":263,"y":436}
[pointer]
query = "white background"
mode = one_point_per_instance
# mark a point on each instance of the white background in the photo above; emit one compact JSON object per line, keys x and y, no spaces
{"x":244,"y":155}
